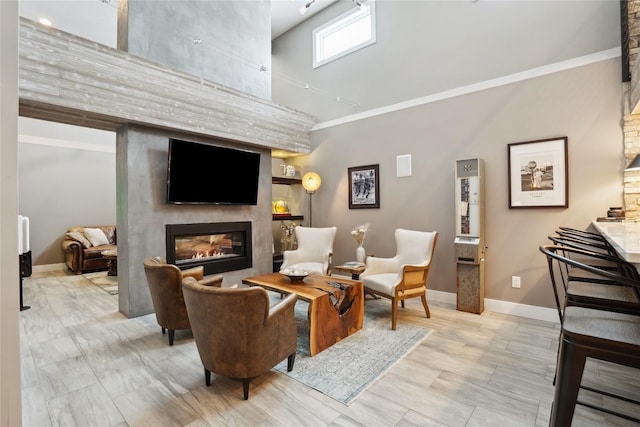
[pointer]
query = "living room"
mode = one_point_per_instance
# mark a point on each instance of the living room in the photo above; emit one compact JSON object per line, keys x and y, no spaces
{"x":382,"y":137}
{"x":579,"y":96}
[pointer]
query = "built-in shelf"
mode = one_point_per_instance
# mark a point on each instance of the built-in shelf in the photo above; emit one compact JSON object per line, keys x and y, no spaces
{"x":287,"y":217}
{"x":285,"y":181}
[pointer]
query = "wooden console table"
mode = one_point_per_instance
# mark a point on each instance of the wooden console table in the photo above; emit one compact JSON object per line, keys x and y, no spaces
{"x":336,"y":306}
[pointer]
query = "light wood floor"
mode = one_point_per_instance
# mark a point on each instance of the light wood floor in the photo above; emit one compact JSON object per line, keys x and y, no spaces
{"x":85,"y":364}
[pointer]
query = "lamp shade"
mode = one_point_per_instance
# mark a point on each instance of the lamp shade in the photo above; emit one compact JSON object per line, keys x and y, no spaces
{"x":311,"y":182}
{"x":634,"y":165}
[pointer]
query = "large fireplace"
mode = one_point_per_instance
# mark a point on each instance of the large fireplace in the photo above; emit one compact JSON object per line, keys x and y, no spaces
{"x":217,"y":246}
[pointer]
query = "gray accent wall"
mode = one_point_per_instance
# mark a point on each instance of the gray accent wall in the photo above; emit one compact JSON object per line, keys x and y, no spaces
{"x":235,"y":39}
{"x":143,"y":212}
{"x":157,"y":31}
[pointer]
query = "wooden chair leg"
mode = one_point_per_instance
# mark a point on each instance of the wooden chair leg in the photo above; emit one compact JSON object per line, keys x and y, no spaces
{"x":172,"y":333}
{"x":290,"y":361}
{"x":245,"y":387}
{"x":164,"y":331}
{"x":424,"y":304}
{"x":207,"y":377}
{"x":394,"y":313}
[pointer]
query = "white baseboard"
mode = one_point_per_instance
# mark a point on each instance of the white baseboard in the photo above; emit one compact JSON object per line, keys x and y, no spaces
{"x":504,"y":307}
{"x":48,"y":267}
{"x":497,"y":306}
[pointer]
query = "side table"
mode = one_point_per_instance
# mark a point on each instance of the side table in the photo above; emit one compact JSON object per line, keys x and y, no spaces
{"x":355,"y":269}
{"x":112,"y":261}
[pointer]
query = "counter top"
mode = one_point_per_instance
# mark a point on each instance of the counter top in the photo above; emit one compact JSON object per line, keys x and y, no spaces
{"x":624,"y":236}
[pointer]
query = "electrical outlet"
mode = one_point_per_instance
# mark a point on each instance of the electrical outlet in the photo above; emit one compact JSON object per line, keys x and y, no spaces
{"x":515,"y":281}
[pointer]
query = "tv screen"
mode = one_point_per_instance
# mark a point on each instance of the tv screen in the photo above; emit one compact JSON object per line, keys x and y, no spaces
{"x":208,"y":174}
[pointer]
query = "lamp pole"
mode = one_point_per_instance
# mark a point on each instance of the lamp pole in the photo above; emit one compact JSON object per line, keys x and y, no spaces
{"x":310,"y":209}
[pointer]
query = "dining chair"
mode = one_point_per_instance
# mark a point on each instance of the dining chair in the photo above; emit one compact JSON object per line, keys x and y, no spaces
{"x":599,"y":326}
{"x":589,"y":333}
{"x":590,"y":235}
{"x":616,"y":291}
{"x":594,"y":255}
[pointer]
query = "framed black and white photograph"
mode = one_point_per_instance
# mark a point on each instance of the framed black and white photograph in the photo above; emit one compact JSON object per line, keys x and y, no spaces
{"x":364,"y":187}
{"x":538,"y":174}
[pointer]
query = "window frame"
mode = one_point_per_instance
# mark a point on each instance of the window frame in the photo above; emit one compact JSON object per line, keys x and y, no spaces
{"x":343,"y":21}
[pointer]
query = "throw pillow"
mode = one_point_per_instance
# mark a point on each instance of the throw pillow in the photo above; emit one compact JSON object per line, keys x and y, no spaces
{"x":96,"y":236}
{"x":79,"y":237}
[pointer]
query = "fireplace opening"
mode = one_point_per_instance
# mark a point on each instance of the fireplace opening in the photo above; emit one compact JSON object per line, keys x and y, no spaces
{"x":217,"y":246}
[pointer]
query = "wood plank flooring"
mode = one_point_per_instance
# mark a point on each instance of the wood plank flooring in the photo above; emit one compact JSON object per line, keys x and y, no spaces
{"x":86,"y":364}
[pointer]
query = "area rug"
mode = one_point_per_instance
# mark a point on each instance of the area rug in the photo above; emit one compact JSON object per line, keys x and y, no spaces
{"x":350,"y":366}
{"x":108,"y":284}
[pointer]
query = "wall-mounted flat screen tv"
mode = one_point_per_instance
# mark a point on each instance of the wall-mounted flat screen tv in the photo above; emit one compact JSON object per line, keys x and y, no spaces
{"x":201,"y":173}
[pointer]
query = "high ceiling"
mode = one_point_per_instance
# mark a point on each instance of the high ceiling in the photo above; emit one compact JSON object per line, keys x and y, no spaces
{"x":96,"y":19}
{"x":285,"y":14}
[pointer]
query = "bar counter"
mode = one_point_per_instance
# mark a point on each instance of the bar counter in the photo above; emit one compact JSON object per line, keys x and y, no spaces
{"x":624,"y":236}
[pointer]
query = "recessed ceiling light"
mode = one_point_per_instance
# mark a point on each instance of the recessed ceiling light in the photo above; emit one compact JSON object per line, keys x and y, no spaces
{"x":44,"y":21}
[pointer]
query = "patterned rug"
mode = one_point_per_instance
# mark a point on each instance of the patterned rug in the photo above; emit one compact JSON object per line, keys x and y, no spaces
{"x":109,"y":284}
{"x":350,"y":366}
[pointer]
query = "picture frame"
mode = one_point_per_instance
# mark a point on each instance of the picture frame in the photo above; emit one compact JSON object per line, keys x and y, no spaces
{"x":364,"y":187}
{"x":539,"y":173}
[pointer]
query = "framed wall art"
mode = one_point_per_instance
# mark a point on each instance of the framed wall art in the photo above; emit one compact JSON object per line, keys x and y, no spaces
{"x":364,"y":187}
{"x":538,"y":174}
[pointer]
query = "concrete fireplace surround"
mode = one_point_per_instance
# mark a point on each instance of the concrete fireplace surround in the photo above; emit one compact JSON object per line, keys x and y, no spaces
{"x":67,"y":79}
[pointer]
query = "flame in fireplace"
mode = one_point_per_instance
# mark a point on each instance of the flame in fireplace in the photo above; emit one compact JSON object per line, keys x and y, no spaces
{"x":207,"y":254}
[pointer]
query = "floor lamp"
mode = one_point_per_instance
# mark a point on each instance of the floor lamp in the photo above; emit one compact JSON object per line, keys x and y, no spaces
{"x":311,"y":182}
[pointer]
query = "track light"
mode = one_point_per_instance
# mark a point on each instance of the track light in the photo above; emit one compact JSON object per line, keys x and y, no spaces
{"x":303,"y":9}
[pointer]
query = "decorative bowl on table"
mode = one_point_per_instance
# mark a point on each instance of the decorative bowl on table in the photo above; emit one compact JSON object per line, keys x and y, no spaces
{"x":296,"y":276}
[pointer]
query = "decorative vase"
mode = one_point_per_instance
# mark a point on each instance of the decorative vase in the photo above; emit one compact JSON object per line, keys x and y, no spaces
{"x":360,"y":254}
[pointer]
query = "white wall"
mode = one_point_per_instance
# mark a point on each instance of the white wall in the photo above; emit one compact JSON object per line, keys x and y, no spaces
{"x":427,"y":47}
{"x":10,"y":398}
{"x":67,"y":177}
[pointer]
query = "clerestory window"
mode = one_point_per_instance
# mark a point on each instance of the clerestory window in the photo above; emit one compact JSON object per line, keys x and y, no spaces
{"x":347,"y":33}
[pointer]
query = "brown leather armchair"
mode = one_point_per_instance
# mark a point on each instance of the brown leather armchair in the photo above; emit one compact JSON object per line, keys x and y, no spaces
{"x":165,"y":286}
{"x":237,"y":334}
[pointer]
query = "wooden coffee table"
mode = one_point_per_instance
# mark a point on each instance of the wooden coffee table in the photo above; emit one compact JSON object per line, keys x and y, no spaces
{"x":336,"y":305}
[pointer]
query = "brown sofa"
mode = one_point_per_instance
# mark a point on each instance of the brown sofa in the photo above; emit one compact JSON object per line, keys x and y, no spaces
{"x":81,"y":259}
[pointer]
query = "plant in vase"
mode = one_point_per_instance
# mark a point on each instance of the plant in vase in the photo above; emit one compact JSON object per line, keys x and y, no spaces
{"x":359,"y":233}
{"x":287,"y":241}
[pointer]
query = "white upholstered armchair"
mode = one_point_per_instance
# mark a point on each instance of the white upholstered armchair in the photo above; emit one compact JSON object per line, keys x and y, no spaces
{"x":405,"y":275}
{"x":315,"y":247}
